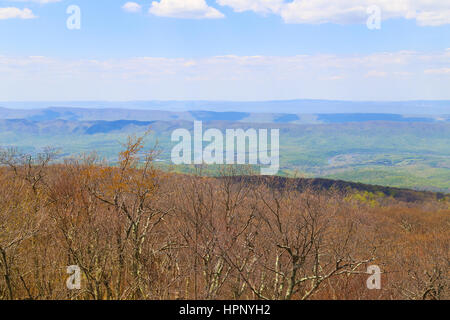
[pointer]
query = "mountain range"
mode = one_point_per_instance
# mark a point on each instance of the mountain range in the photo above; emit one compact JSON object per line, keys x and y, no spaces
{"x":87,"y":114}
{"x":417,"y":107}
{"x":407,"y":150}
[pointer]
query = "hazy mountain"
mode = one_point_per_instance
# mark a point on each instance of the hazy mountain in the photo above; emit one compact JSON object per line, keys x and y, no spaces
{"x":85,"y":114}
{"x":402,"y":150}
{"x":283,"y":106}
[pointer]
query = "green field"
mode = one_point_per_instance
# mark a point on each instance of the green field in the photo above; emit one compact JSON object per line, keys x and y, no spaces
{"x":411,"y":155}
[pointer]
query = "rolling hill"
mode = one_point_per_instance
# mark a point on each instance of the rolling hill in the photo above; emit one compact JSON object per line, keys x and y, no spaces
{"x":410,"y":149}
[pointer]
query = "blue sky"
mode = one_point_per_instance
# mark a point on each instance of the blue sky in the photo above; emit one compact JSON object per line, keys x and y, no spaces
{"x":224,"y":50}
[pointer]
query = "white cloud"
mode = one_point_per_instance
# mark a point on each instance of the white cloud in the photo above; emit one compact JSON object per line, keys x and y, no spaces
{"x":333,"y":78}
{"x":387,"y":75}
{"x":260,"y":6}
{"x":438,"y":71}
{"x":433,"y":18}
{"x":188,"y":9}
{"x":403,"y":74}
{"x":132,"y":7}
{"x":16,"y":13}
{"x":376,"y":74}
{"x":320,"y":11}
{"x":425,"y":12}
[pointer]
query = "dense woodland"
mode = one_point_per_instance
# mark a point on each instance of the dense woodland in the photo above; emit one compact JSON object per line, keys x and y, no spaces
{"x":140,"y":233}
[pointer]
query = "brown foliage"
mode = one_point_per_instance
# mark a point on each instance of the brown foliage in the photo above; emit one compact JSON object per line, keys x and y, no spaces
{"x":138,"y":233}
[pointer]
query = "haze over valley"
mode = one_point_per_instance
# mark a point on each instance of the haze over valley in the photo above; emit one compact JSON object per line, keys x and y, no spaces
{"x":392,"y":149}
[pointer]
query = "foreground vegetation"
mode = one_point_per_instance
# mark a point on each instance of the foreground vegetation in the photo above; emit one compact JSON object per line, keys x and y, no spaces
{"x":139,"y":233}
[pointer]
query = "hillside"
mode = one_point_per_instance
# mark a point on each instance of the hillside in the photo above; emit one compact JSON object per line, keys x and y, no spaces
{"x":139,"y":233}
{"x":320,"y":185}
{"x":397,"y":154}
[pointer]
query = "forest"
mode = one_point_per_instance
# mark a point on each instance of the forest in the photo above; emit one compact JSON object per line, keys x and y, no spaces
{"x":139,"y":233}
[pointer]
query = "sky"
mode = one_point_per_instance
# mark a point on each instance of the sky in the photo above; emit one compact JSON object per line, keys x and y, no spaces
{"x":58,"y":50}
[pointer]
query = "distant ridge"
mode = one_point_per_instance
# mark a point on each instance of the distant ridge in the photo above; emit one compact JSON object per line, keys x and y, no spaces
{"x":91,"y":114}
{"x":433,"y":107}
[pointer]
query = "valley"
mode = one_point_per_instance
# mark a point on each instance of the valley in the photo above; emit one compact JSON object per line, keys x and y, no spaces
{"x":383,"y":149}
